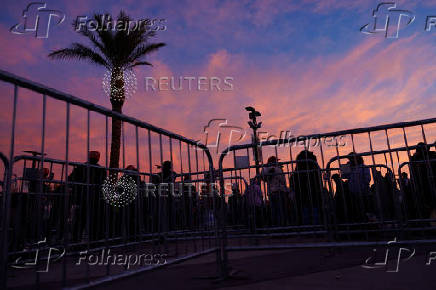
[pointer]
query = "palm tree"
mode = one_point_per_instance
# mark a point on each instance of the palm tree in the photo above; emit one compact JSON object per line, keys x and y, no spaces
{"x":116,"y":49}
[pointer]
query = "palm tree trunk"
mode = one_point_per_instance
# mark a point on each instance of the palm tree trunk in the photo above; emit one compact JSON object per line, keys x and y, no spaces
{"x":117,"y":101}
{"x":116,"y":138}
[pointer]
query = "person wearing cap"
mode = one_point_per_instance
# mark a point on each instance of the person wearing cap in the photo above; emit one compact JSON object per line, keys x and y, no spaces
{"x":277,"y":190}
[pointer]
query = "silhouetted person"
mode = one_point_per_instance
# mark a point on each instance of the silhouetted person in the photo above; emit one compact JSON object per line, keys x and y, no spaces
{"x":391,"y":195}
{"x":423,"y":170}
{"x":272,"y":174}
{"x":235,"y":205}
{"x":343,"y":205}
{"x":190,"y":211}
{"x":385,"y":189}
{"x":49,"y":201}
{"x":358,"y":177}
{"x":254,"y":199}
{"x":306,"y":183}
{"x":167,"y":174}
{"x":409,"y":200}
{"x":206,"y":204}
{"x":167,"y":180}
{"x":152,"y":219}
{"x":81,"y":202}
{"x":132,"y":208}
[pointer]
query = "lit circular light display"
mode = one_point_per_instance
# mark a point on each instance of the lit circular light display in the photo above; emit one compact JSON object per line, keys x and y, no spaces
{"x":115,"y":93}
{"x":121,"y":192}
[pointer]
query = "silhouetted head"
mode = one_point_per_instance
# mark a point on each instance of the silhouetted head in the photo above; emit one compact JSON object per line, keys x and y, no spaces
{"x":355,"y":159}
{"x":306,"y":160}
{"x":167,"y":166}
{"x":255,"y":180}
{"x":131,"y":167}
{"x":421,"y":148}
{"x":94,"y":157}
{"x":272,"y":159}
{"x":155,"y":179}
{"x":306,"y":155}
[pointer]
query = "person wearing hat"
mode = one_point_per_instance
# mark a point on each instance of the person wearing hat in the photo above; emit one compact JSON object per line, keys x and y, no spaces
{"x":277,"y":190}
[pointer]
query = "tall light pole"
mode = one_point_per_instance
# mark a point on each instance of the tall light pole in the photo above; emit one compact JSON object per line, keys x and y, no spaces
{"x":254,"y":126}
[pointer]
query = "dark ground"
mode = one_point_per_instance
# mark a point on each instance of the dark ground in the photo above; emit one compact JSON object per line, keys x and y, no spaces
{"x":269,"y":269}
{"x":290,"y":269}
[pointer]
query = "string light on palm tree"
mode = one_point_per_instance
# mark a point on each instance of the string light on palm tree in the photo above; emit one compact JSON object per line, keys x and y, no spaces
{"x":119,"y":84}
{"x":121,"y":192}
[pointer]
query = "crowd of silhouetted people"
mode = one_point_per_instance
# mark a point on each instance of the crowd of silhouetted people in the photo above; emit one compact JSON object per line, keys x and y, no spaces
{"x":306,"y":195}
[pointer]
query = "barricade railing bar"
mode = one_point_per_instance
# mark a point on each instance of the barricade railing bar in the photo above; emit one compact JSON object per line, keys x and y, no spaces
{"x":57,"y":204}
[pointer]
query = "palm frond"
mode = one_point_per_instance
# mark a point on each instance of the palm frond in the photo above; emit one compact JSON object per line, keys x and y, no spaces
{"x":111,"y":46}
{"x":79,"y":51}
{"x":91,"y":35}
{"x":106,"y":35}
{"x":143,"y":50}
{"x":140,"y":63}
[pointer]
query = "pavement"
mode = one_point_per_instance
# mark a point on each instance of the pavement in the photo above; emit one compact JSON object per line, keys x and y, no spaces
{"x":292,"y":269}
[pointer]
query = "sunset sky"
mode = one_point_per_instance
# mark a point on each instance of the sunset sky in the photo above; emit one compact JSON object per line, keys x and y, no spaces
{"x":304,"y":64}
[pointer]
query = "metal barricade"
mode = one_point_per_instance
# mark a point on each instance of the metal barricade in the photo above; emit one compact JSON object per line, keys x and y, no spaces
{"x":338,"y":196}
{"x":55,"y":218}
